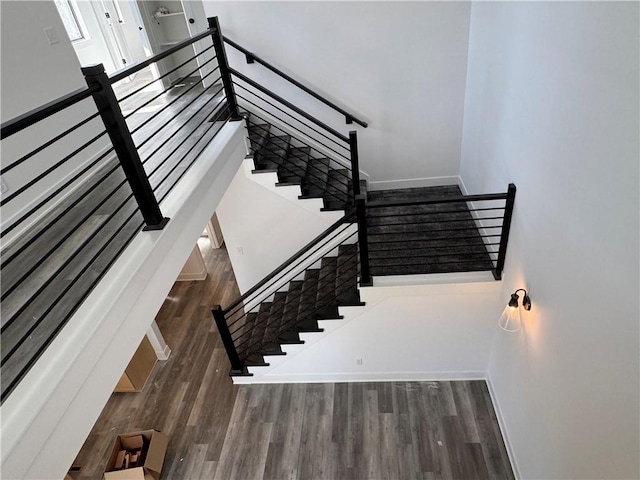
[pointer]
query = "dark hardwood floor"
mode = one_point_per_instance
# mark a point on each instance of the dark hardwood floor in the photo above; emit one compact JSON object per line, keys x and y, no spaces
{"x":393,"y":430}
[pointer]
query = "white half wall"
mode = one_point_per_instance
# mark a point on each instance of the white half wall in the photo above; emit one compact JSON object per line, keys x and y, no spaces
{"x":400,"y":66}
{"x":264,"y":225}
{"x":552,"y":106}
{"x":48,"y":416}
{"x":420,"y":332}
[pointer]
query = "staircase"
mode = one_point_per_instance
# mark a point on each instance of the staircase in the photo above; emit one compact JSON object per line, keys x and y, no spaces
{"x":297,"y":163}
{"x":297,"y":309}
{"x":413,"y":231}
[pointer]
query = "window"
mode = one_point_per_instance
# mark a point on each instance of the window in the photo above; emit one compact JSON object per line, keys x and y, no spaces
{"x":71,"y":19}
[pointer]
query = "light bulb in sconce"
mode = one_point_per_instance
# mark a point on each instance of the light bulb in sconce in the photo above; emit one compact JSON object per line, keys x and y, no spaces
{"x":511,"y":319}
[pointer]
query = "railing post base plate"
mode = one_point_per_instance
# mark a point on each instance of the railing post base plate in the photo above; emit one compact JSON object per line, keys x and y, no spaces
{"x":159,"y":226}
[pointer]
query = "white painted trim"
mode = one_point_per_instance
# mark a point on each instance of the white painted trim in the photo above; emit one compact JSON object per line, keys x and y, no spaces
{"x":414,"y":183}
{"x":463,"y":187}
{"x":503,"y":427}
{"x":194,"y":268}
{"x":192,"y":277}
{"x":269,"y":180}
{"x":157,"y":342}
{"x":362,"y":377}
{"x":432,"y":279}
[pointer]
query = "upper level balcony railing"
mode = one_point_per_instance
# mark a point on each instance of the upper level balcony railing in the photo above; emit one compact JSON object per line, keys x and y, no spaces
{"x":86,"y":173}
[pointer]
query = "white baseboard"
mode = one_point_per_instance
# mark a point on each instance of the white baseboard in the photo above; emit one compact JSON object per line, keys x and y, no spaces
{"x":361,"y":377}
{"x":503,"y":428}
{"x":463,"y":187}
{"x":190,"y":277}
{"x":414,"y":183}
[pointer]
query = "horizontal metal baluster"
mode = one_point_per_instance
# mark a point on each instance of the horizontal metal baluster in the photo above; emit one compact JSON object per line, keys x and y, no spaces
{"x":404,"y":249}
{"x":61,"y":188}
{"x":378,"y":215}
{"x":163,"y":76}
{"x":48,"y":144}
{"x":55,"y":332}
{"x":177,"y":130}
{"x":49,"y":170}
{"x":67,"y":261}
{"x":296,"y":129}
{"x":272,"y":150}
{"x":179,"y":97}
{"x":288,"y":114}
{"x":289,"y":168}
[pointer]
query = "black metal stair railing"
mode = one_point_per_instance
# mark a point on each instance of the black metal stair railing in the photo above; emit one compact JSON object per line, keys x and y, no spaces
{"x":439,"y":235}
{"x":128,"y":147}
{"x":322,"y":139}
{"x":238,"y":322}
{"x":252,"y":57}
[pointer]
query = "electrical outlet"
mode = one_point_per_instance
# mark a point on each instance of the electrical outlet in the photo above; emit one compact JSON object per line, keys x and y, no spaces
{"x":359,"y":361}
{"x":52,"y":35}
{"x":4,"y":188}
{"x":240,"y":250}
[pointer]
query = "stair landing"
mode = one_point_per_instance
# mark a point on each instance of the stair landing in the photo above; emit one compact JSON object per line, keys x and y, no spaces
{"x":424,"y":239}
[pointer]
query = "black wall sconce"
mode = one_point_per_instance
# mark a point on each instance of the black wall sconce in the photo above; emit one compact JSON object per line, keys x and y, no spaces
{"x":510,"y":319}
{"x":526,"y":301}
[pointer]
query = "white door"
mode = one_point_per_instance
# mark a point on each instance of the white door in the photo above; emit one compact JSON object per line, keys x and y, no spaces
{"x":197,"y":23}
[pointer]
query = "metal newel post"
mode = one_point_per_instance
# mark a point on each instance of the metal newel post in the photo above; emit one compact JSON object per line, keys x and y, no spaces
{"x":124,"y":147}
{"x":227,"y":340}
{"x":355,"y":166}
{"x":363,"y":245}
{"x":506,"y":227}
{"x":223,"y":63}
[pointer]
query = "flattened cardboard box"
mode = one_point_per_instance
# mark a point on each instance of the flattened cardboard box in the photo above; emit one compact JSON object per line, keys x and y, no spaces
{"x":152,"y":464}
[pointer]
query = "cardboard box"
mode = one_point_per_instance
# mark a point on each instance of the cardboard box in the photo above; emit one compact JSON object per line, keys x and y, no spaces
{"x":150,"y":445}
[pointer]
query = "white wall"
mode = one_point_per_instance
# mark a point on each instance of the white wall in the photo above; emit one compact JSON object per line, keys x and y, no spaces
{"x":29,"y":63}
{"x":262,"y":227}
{"x":34,"y":73}
{"x":420,"y":332}
{"x":399,"y":65}
{"x":552,"y":105}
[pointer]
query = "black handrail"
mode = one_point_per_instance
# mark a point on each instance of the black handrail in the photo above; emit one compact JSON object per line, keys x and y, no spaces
{"x":34,"y":116}
{"x":288,"y":262}
{"x":290,"y":105}
{"x":252,"y":56}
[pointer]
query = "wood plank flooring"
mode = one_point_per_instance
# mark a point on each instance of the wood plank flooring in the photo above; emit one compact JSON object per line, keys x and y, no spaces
{"x":346,"y":431}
